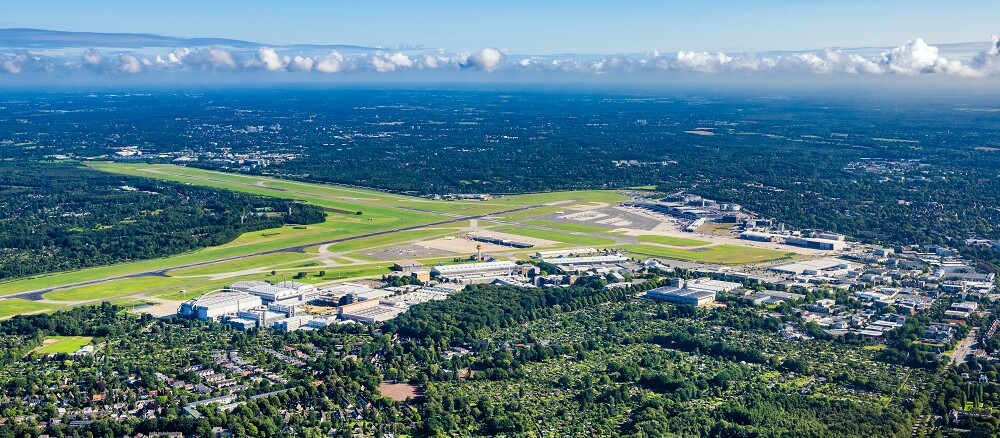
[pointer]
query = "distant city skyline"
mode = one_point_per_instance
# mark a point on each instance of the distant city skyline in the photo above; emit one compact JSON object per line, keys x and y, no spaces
{"x":532,"y":27}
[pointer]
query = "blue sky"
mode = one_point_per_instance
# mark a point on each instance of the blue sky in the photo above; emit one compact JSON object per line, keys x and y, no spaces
{"x":530,"y":27}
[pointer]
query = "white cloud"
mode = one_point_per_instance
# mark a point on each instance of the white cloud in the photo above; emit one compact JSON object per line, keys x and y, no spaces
{"x":917,"y":57}
{"x":92,"y":57}
{"x":270,"y":60}
{"x":988,"y":61}
{"x":384,"y":63}
{"x":11,"y":63}
{"x":129,"y":64}
{"x":331,"y":63}
{"x":215,"y":58}
{"x":488,"y":59}
{"x":301,"y":63}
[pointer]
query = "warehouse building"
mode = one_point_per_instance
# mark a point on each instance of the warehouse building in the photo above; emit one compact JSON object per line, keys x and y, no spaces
{"x":214,"y":307}
{"x":586,"y":261}
{"x":486,"y":269}
{"x":816,"y":243}
{"x":369,"y":312}
{"x":573,"y":252}
{"x":677,"y":295}
{"x":283,"y":291}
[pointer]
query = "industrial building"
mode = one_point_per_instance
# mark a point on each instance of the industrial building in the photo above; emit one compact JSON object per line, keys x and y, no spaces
{"x":215,"y":306}
{"x":709,"y":285}
{"x":573,"y":252}
{"x":468,"y":270}
{"x":369,"y":312}
{"x":826,"y":267}
{"x":565,"y":262}
{"x":285,"y":290}
{"x":816,"y":243}
{"x":677,"y":295}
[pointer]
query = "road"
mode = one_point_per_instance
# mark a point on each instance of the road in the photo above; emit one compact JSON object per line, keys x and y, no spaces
{"x":36,"y":295}
{"x":964,"y":348}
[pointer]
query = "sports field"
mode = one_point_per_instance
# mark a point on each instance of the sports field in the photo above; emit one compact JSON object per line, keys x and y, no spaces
{"x":62,"y":344}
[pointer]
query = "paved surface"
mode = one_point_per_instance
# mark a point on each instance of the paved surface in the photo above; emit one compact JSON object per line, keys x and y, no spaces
{"x":964,"y":348}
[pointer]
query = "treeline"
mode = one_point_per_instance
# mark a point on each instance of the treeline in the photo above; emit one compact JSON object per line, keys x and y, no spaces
{"x":468,"y":316}
{"x":60,"y":216}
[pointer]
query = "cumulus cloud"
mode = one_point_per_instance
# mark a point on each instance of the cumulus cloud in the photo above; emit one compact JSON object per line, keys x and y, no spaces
{"x":214,"y":58}
{"x":301,"y":63}
{"x":988,"y":61}
{"x":385,"y":62}
{"x":915,"y":57}
{"x":270,"y":60}
{"x":331,"y":63}
{"x":93,"y":57}
{"x":12,"y":63}
{"x":129,"y":64}
{"x":488,"y":59}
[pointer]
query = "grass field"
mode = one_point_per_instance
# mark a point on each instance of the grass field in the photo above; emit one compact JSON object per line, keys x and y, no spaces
{"x":264,"y":261}
{"x":669,"y":240}
{"x":117,"y":288}
{"x":721,"y":254}
{"x":390,"y":239}
{"x":575,"y":239}
{"x":17,"y":306}
{"x":63,"y":344}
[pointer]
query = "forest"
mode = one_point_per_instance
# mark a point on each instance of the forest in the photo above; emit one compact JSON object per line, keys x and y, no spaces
{"x":492,"y":360}
{"x":61,"y":216}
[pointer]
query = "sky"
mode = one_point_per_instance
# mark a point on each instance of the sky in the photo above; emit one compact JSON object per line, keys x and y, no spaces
{"x":530,"y":27}
{"x":510,"y":40}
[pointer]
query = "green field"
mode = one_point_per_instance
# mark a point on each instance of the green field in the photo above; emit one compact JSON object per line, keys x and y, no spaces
{"x":17,"y":306}
{"x":721,"y":254}
{"x":668,"y":240}
{"x":575,"y":239}
{"x":63,"y":344}
{"x":390,"y":239}
{"x":117,"y":288}
{"x":264,"y":261}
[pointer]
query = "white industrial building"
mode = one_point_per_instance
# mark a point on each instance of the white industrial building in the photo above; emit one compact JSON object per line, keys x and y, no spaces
{"x":213,"y":307}
{"x":586,"y":261}
{"x":573,"y":252}
{"x":816,"y":243}
{"x":369,"y":312}
{"x":285,"y":290}
{"x":826,"y":267}
{"x":482,"y":269}
{"x":709,"y":285}
{"x":677,"y":295}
